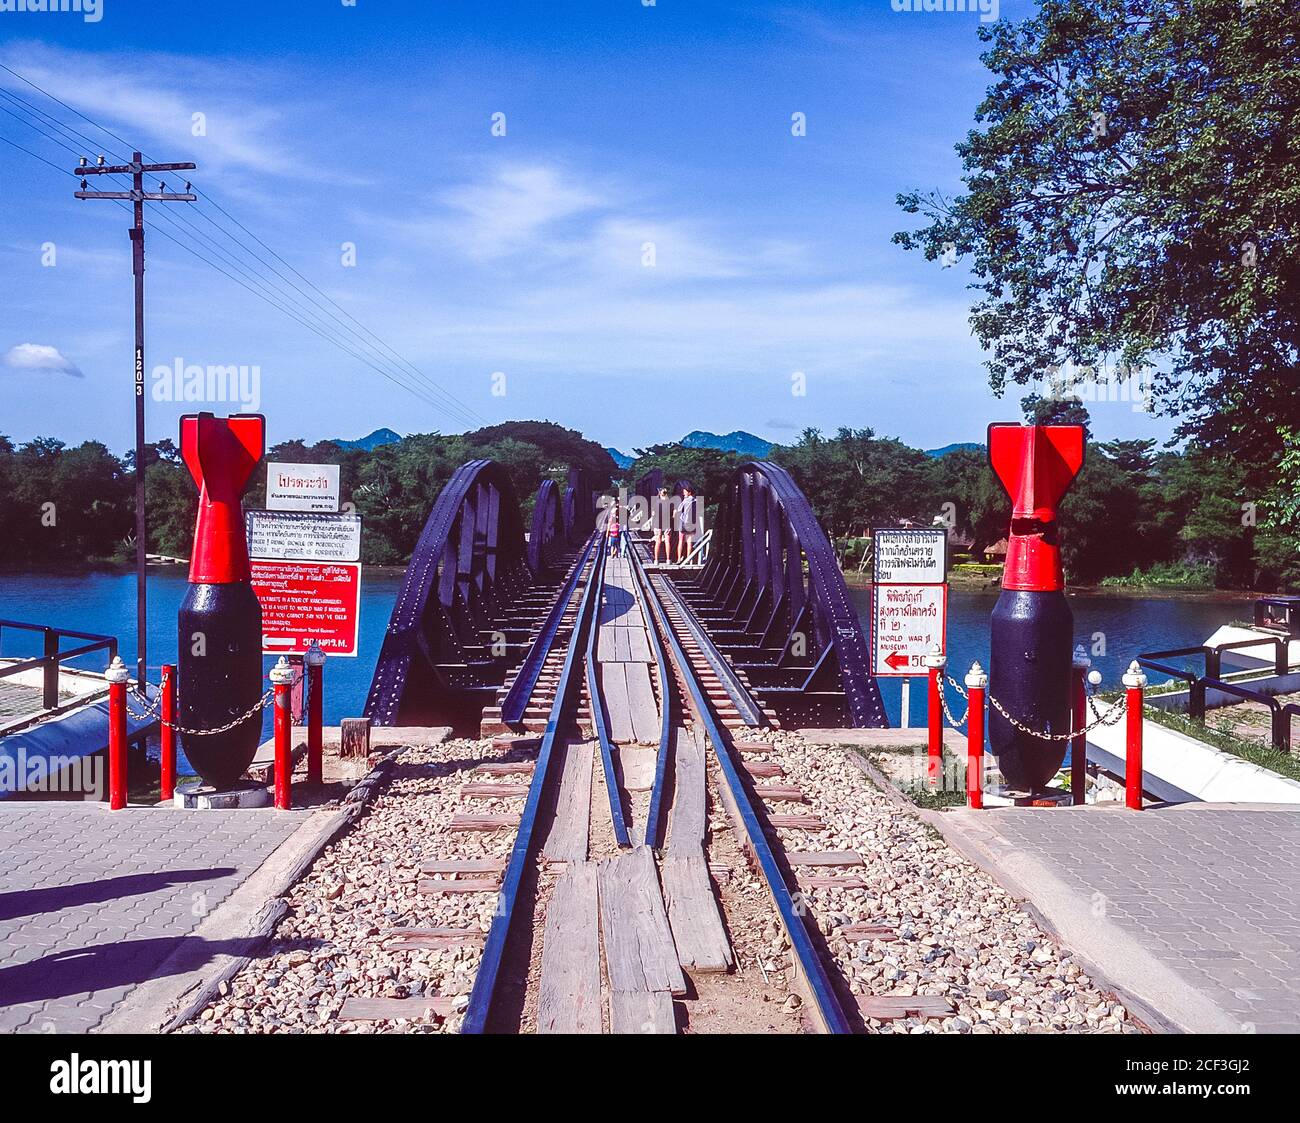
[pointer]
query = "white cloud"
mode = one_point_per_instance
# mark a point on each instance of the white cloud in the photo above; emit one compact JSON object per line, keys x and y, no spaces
{"x":40,"y":356}
{"x":151,"y":100}
{"x":517,"y":208}
{"x":543,"y":215}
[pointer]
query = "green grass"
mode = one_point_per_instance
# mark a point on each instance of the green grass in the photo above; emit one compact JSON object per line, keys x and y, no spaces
{"x":919,"y":792}
{"x":978,"y":569}
{"x":931,"y":799}
{"x":1166,"y":575}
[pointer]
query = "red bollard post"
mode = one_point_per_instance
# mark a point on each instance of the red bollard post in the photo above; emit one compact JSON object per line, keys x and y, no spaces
{"x":1134,"y":682}
{"x":1079,"y":716}
{"x":315,"y":662}
{"x":976,"y":683}
{"x":167,"y":731}
{"x":282,"y":678}
{"x":117,"y":676}
{"x":935,"y":661}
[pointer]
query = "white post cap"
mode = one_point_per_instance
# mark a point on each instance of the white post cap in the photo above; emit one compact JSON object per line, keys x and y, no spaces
{"x":314,"y":656}
{"x":282,"y":673}
{"x":1094,"y":677}
{"x":117,"y":671}
{"x":935,"y":657}
{"x":1133,"y":677}
{"x":976,"y":679}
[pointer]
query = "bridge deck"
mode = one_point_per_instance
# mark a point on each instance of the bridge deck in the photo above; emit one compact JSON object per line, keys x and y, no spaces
{"x":625,"y":661}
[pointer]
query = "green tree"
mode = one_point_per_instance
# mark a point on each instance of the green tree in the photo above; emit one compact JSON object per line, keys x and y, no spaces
{"x":856,"y":481}
{"x":979,"y":505}
{"x":1131,"y":204}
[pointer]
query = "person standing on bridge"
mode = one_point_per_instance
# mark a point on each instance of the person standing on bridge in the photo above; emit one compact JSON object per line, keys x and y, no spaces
{"x":661,"y":525}
{"x":690,"y":524}
{"x":615,"y":531}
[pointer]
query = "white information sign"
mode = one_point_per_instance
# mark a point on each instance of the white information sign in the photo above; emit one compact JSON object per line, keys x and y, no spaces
{"x":909,"y":621}
{"x":302,"y":487}
{"x":299,"y":536}
{"x":911,"y":557}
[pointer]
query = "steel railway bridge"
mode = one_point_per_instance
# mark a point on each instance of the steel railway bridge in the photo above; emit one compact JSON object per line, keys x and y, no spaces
{"x":668,"y":682}
{"x":479,"y":609}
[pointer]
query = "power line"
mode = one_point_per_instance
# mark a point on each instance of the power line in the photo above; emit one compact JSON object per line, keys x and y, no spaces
{"x":271,"y":296}
{"x":450,"y":403}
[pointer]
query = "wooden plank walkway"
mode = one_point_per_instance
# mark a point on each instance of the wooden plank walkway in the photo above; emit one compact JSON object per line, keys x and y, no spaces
{"x":568,"y":836}
{"x":626,"y":664}
{"x":689,"y":818}
{"x":692,"y":907}
{"x":569,"y":996}
{"x":701,"y":939}
{"x":640,"y":956}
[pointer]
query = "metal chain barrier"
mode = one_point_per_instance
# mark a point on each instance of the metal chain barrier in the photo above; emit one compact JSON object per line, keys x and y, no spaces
{"x":943,"y":701}
{"x":1099,"y":719}
{"x":153,"y":710}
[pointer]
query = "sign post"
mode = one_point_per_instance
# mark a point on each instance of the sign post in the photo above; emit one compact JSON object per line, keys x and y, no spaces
{"x":909,"y":598}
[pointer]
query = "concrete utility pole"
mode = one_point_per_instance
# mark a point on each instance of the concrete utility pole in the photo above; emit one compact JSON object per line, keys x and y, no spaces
{"x":137,"y":169}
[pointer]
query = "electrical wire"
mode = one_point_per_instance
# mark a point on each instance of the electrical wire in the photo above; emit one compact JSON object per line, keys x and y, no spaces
{"x":449,"y":403}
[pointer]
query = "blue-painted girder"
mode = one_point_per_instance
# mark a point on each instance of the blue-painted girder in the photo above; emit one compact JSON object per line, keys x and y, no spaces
{"x":469,"y":561}
{"x":772,"y":581}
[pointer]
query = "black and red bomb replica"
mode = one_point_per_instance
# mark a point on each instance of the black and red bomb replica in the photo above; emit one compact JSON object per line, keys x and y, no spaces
{"x":1032,"y":628}
{"x":219,"y":626}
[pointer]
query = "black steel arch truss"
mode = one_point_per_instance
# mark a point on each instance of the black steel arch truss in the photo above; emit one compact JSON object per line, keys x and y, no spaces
{"x":548,"y":534}
{"x":579,"y":506}
{"x":774,"y":601}
{"x":458,"y":625}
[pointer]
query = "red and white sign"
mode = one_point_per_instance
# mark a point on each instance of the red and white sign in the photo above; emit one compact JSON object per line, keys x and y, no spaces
{"x":908,"y":620}
{"x":304,"y":601}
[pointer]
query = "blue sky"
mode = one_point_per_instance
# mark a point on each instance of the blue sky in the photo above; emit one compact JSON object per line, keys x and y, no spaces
{"x":478,"y":255}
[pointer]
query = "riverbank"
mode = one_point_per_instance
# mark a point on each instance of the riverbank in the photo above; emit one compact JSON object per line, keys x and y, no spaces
{"x":992,"y":584}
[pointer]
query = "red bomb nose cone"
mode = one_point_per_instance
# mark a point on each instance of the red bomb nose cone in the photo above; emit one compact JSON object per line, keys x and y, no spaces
{"x":1036,"y":465}
{"x":221,"y":453}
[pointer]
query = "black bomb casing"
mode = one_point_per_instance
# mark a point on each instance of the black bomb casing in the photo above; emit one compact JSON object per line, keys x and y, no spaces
{"x":1031,"y":632}
{"x":219,"y":626}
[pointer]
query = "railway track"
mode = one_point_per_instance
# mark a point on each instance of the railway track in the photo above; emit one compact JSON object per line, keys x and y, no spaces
{"x":589,"y":863}
{"x":701,"y":672}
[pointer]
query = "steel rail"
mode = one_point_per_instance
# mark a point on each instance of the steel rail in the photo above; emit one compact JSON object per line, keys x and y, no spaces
{"x":599,"y":718}
{"x":659,"y":797}
{"x":822,"y":990}
{"x":485,"y":982}
{"x":749,"y":710}
{"x":521,"y":690}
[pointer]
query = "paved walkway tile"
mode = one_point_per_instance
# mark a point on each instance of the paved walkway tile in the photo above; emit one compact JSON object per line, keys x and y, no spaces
{"x":92,"y":902}
{"x":1212,"y":891}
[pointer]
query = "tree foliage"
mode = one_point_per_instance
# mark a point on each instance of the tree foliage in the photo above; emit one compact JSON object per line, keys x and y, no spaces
{"x":1132,"y":205}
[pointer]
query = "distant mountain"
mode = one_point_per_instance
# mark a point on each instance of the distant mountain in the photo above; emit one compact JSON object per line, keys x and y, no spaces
{"x":371,"y":441}
{"x":954,"y":448}
{"x":621,"y":458}
{"x":746,"y":444}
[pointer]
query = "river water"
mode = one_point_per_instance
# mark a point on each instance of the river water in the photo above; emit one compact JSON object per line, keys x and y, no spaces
{"x":1113,"y":628}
